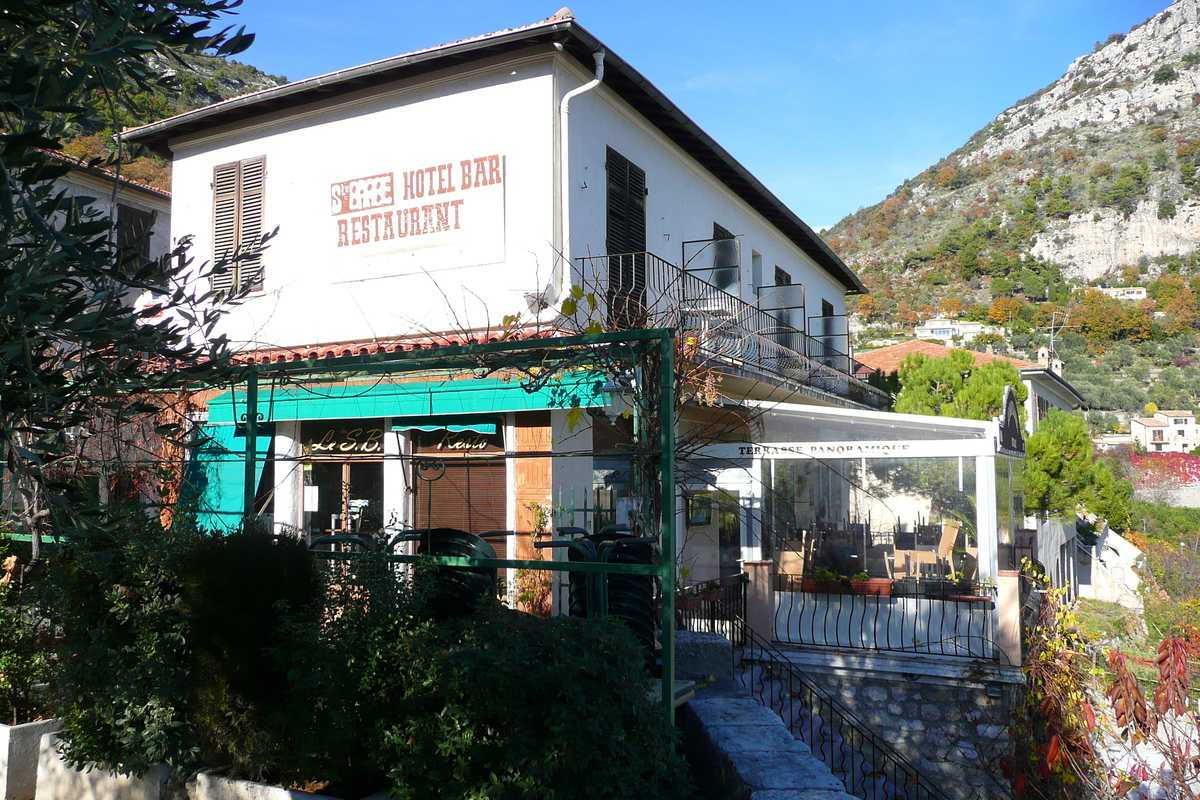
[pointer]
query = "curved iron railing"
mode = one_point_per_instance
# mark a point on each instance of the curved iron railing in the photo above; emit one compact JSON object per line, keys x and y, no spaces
{"x":869,"y":766}
{"x":946,"y":625}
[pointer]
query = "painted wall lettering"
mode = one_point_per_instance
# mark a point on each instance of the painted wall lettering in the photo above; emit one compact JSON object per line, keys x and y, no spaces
{"x":354,"y":440}
{"x":433,"y":216}
{"x":361,"y":194}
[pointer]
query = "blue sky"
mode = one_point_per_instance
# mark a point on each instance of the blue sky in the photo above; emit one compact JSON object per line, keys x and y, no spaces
{"x":831,"y":104}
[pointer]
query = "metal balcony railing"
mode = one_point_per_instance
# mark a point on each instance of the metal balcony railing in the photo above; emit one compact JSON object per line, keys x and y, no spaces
{"x":642,"y":290}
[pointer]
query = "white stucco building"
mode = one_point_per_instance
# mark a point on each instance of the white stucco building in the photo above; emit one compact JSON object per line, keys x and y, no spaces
{"x":952,"y":332}
{"x":1166,"y":432}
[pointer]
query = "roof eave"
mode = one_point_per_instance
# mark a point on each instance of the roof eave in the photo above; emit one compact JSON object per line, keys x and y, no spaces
{"x":1059,"y":379}
{"x":626,"y":81}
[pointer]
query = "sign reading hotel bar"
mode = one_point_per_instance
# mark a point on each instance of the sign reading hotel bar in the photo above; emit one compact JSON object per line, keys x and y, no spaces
{"x":456,"y":203}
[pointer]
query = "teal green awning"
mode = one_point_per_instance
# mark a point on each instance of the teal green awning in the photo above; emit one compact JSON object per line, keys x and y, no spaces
{"x":216,"y":475}
{"x":487,"y":396}
{"x":486,"y":425}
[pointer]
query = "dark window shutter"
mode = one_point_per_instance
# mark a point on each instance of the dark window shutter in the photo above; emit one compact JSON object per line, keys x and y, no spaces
{"x":719,"y":232}
{"x":225,"y":227}
{"x":133,"y":237}
{"x":626,"y":242}
{"x":782,"y":278}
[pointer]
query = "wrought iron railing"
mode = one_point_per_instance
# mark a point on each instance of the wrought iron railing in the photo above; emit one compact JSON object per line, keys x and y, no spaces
{"x":868,"y":765}
{"x":713,"y":607}
{"x":643,"y":290}
{"x":955,"y":622}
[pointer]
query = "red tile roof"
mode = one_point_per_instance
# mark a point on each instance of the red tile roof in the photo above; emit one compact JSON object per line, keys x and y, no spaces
{"x":366,"y":347}
{"x":888,"y":359}
{"x":84,"y":166}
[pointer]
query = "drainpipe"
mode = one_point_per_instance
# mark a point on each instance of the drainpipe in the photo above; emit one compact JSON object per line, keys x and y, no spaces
{"x":561,"y":280}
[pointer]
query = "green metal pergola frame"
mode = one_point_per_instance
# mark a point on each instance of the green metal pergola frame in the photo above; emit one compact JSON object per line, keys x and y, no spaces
{"x":467,"y":357}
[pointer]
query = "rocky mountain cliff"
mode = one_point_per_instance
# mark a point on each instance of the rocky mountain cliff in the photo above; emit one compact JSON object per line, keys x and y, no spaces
{"x":1096,"y":173}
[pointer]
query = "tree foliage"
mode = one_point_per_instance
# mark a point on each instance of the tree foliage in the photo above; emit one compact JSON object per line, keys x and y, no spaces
{"x":954,"y":386}
{"x":73,"y":348}
{"x":1062,"y":472}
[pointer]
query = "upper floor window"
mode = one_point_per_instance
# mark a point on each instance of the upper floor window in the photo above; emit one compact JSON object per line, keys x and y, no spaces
{"x":238,"y":193}
{"x":133,"y":237}
{"x":782,"y":277}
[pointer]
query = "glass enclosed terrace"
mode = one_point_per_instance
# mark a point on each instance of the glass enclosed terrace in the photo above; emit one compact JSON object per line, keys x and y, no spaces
{"x":886,"y":531}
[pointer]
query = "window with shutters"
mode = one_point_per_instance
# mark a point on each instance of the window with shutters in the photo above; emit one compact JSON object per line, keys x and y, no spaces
{"x":238,"y":190}
{"x":133,"y":237}
{"x":626,"y":242}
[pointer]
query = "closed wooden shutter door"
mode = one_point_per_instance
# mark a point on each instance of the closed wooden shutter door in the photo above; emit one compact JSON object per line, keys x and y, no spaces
{"x":251,"y":215}
{"x":470,"y":496}
{"x":626,"y":241}
{"x":225,"y":227}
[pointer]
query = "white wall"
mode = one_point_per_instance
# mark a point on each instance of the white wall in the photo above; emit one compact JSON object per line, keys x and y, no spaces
{"x":469,"y":276}
{"x":683,"y":199}
{"x":473,"y":275}
{"x":1110,"y":572}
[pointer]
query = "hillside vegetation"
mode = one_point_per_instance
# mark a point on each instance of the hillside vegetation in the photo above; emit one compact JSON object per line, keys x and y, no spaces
{"x":1093,"y":180}
{"x":201,"y":81}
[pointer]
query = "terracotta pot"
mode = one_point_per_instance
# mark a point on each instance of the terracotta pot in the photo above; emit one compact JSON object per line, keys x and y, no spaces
{"x":687,"y":603}
{"x":812,"y":587}
{"x":876,"y":587}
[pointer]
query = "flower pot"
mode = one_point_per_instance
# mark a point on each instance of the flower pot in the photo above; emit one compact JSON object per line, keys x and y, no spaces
{"x":19,"y":757}
{"x":813,"y":587}
{"x":709,"y":595}
{"x":875,"y":587}
{"x":687,"y":603}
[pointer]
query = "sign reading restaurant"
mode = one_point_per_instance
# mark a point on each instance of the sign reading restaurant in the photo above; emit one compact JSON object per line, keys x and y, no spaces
{"x":365,"y":209}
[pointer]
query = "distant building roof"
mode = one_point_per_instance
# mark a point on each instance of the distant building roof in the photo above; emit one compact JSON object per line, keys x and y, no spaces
{"x":1149,"y":422}
{"x":1167,"y":413}
{"x":887,"y":359}
{"x":79,"y":165}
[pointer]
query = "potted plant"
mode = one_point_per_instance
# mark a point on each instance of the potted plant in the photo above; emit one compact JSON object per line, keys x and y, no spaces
{"x":863,"y":583}
{"x":24,"y":667}
{"x":823,"y":581}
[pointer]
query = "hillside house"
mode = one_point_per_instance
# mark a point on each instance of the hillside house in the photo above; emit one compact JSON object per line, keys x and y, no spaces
{"x":1166,"y":432}
{"x":464,"y":193}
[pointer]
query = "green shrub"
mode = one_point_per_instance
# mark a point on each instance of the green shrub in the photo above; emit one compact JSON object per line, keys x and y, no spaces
{"x":123,"y":660}
{"x":237,"y":591}
{"x":503,"y":705}
{"x":1166,"y":209}
{"x":1165,"y":74}
{"x":25,"y":646}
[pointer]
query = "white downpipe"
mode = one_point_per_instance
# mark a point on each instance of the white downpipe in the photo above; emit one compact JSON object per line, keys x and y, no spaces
{"x":563,"y":278}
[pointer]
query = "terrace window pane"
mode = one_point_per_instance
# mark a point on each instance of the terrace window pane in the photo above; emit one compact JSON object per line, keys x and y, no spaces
{"x":891,"y":518}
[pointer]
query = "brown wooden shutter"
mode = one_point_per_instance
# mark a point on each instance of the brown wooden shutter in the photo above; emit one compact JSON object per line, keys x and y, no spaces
{"x":470,"y":496}
{"x":253,"y":184}
{"x":225,"y":227}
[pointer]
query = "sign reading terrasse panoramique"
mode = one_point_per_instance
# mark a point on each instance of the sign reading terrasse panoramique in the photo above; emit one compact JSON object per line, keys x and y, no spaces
{"x":427,"y":205}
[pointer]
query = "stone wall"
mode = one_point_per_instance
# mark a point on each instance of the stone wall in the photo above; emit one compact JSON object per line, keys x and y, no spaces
{"x":947,"y":728}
